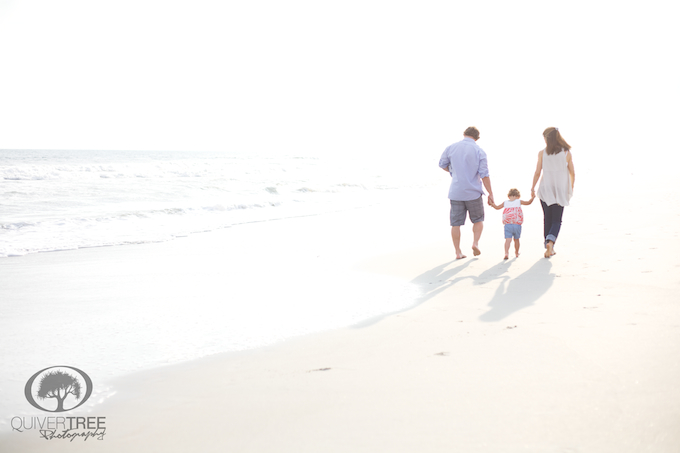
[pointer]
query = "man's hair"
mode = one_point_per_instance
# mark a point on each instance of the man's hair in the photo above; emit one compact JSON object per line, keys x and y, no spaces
{"x":513,"y":193}
{"x":472,"y":132}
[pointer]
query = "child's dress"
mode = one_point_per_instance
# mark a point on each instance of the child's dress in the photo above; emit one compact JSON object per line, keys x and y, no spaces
{"x":512,"y":212}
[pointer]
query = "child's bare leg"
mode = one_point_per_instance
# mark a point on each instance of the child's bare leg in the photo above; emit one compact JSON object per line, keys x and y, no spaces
{"x":507,"y":248}
{"x":517,"y":247}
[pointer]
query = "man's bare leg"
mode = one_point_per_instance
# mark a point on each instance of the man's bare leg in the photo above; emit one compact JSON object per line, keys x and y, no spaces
{"x":516,"y":248}
{"x":477,"y":233}
{"x":455,"y":235}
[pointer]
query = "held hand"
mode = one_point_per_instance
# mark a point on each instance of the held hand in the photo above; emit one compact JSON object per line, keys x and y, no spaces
{"x":490,"y":200}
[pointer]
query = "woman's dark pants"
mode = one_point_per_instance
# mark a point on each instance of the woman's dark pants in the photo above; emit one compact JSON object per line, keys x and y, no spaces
{"x":552,"y":221}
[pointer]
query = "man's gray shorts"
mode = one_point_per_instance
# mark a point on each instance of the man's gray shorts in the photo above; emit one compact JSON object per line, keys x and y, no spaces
{"x":460,"y":208}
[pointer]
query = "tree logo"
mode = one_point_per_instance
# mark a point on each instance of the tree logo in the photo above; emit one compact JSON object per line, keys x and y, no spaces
{"x":58,"y":389}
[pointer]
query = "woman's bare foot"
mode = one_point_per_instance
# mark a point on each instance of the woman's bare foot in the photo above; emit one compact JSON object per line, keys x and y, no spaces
{"x":517,"y":255}
{"x":549,"y":250}
{"x":460,"y":257}
{"x":475,"y":250}
{"x":505,"y":257}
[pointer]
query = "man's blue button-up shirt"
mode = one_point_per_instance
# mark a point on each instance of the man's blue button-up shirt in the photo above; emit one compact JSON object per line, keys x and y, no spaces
{"x":467,"y":165}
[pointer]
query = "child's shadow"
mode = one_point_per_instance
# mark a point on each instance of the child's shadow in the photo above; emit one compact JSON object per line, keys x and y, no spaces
{"x":521,"y":292}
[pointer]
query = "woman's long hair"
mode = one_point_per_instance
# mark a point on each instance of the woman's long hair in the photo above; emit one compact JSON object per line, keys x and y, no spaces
{"x":554,"y":143}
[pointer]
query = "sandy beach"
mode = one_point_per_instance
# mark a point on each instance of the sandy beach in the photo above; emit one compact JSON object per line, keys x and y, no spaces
{"x":224,"y":227}
{"x":577,"y":353}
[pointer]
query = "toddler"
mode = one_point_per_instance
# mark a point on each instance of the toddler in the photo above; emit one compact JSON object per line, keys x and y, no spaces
{"x":512,"y":219}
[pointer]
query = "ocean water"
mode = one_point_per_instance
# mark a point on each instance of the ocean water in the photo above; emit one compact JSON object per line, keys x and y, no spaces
{"x":69,"y":200}
{"x":63,"y":200}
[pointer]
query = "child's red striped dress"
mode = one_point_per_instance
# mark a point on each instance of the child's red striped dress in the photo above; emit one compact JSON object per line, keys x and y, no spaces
{"x":512,"y":212}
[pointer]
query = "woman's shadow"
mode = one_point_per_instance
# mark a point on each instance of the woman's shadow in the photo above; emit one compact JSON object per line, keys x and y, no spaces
{"x":520,"y":292}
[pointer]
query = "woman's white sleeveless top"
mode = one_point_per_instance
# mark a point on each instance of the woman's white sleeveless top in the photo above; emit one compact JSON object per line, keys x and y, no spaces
{"x":555,"y":186}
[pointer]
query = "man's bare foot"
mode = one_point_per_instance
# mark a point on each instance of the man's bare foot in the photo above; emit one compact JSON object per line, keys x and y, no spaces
{"x":549,"y":250}
{"x":505,"y":257}
{"x":517,"y":255}
{"x":460,"y":257}
{"x":475,"y":250}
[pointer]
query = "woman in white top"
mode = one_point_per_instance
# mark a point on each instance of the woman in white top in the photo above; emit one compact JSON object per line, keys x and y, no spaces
{"x":557,"y":184}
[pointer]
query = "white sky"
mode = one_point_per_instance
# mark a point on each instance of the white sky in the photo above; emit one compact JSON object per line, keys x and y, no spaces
{"x":377,"y":77}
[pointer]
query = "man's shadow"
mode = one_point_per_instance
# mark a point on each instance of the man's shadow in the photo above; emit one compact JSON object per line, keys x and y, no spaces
{"x":437,"y":280}
{"x":433,"y":282}
{"x":520,"y":292}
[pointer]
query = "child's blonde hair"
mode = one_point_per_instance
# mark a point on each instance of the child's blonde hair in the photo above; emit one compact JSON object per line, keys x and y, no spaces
{"x":513,"y":193}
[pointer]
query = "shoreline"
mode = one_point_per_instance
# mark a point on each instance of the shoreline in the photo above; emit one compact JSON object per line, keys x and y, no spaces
{"x":144,"y":297}
{"x":572,"y":353}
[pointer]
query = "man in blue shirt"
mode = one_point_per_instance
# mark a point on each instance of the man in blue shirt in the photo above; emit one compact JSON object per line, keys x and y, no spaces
{"x":466,"y":162}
